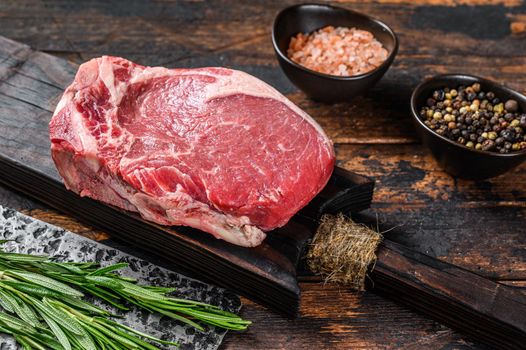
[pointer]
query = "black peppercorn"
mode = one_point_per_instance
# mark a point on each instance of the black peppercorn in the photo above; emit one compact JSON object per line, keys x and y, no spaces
{"x":511,"y":106}
{"x":438,"y":95}
{"x":508,"y":135}
{"x":488,"y":145}
{"x":476,"y":119}
{"x":430,"y":102}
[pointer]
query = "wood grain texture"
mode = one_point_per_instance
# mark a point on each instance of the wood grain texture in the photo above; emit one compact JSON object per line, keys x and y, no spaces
{"x":335,"y":318}
{"x":477,"y":306}
{"x":476,"y":225}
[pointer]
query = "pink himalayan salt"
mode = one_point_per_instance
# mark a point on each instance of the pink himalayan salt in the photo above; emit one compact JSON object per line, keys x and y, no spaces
{"x":337,"y":51}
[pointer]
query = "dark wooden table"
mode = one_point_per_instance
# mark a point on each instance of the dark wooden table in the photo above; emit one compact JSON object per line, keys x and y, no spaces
{"x":477,"y":225}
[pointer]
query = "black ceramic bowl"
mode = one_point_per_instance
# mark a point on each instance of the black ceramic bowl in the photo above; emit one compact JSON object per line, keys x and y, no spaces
{"x":307,"y":18}
{"x":456,"y":159}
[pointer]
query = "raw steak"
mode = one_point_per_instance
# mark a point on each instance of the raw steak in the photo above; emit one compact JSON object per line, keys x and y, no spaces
{"x":211,"y":148}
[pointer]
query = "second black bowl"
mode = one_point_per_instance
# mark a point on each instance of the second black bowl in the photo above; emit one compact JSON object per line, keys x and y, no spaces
{"x":456,"y":159}
{"x":307,"y":18}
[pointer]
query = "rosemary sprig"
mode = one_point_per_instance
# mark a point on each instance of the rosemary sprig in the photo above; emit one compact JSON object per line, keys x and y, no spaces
{"x":105,"y":283}
{"x":49,"y":323}
{"x":44,"y":298}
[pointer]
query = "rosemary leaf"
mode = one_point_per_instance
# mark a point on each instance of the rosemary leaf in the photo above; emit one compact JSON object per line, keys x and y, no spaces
{"x":6,"y":301}
{"x":107,"y":282}
{"x":57,"y":331}
{"x":108,"y":269}
{"x":22,"y":257}
{"x":47,"y":283}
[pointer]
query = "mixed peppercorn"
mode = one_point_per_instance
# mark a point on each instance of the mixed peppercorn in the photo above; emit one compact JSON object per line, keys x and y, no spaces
{"x":476,"y":119}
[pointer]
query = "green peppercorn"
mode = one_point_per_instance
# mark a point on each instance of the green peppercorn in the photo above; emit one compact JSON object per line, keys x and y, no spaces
{"x":499,"y":108}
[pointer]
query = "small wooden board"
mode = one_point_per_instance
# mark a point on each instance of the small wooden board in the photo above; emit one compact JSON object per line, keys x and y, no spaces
{"x":31,"y":84}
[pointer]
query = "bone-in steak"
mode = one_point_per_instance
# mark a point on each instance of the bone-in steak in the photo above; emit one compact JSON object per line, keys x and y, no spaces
{"x":211,"y":148}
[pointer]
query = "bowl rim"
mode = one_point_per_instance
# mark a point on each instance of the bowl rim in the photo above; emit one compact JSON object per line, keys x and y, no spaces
{"x":385,"y":63}
{"x":460,"y":77}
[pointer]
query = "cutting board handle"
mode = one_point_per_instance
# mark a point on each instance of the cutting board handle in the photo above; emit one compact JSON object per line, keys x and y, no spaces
{"x":487,"y":310}
{"x":346,"y":192}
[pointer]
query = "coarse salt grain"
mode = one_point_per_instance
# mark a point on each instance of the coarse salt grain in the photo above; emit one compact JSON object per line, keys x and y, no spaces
{"x":337,"y":51}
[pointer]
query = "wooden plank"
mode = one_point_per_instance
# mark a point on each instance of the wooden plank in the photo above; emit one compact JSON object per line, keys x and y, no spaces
{"x":488,"y":311}
{"x":157,"y":34}
{"x":336,"y":318}
{"x":476,"y":225}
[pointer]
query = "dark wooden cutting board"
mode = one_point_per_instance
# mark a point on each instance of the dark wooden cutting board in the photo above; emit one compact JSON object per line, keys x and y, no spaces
{"x":31,"y":84}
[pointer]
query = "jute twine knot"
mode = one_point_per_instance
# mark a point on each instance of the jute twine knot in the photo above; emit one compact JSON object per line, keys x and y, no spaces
{"x":342,"y":250}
